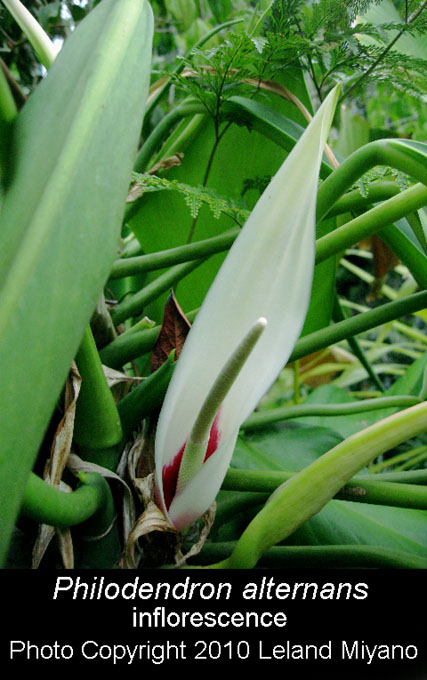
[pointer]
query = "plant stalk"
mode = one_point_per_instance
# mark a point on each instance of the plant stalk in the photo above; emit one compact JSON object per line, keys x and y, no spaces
{"x":371,"y":222}
{"x":135,"y":304}
{"x":97,"y":428}
{"x":47,"y":504}
{"x":262,"y":419}
{"x":320,"y":557}
{"x":308,"y":491}
{"x":357,"y":489}
{"x":359,"y":323}
{"x":381,"y":152}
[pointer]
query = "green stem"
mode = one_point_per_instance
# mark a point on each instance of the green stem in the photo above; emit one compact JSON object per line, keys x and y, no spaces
{"x":381,"y":216}
{"x":165,"y":258}
{"x":91,"y":506}
{"x":320,"y":556}
{"x":129,"y":346}
{"x":262,"y":419}
{"x":37,"y":37}
{"x":339,"y":315}
{"x":416,"y":460}
{"x":359,"y":323}
{"x":394,"y":460}
{"x":180,"y":138}
{"x":373,"y":491}
{"x":18,"y":96}
{"x":308,"y":491}
{"x":49,"y":505}
{"x":405,"y":476}
{"x":8,"y":112}
{"x":162,"y":129}
{"x":100,"y":546}
{"x":132,"y":344}
{"x":248,"y":503}
{"x":8,"y":109}
{"x":97,"y":429}
{"x":297,"y":385}
{"x":353,"y":201}
{"x":256,"y":21}
{"x":144,"y":398}
{"x":371,"y":222}
{"x":132,"y":306}
{"x":381,"y":152}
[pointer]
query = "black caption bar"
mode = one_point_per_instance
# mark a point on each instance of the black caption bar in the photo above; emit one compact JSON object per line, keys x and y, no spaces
{"x":363,"y":623}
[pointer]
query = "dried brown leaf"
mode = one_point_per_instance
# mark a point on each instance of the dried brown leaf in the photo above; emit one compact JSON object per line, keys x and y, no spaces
{"x":65,"y":547}
{"x":136,"y":190}
{"x":44,"y":536}
{"x":119,"y":383}
{"x":61,"y":446}
{"x":174,"y":330}
{"x":384,"y":258}
{"x":207,"y":519}
{"x":55,"y":466}
{"x":161,"y":538}
{"x":155,"y":87}
{"x":145,"y":464}
{"x":167,"y":163}
{"x":282,"y":91}
{"x":154,"y":540}
{"x":114,"y":377}
{"x":328,"y":357}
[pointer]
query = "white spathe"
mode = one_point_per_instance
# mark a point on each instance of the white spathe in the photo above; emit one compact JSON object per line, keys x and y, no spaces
{"x":267,"y":273}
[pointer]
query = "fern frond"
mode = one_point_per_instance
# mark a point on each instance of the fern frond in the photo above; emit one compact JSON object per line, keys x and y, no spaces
{"x":194,"y":196}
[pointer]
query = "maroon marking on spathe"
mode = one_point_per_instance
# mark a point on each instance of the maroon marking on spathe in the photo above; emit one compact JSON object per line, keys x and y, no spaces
{"x":170,"y":477}
{"x":213,"y":438}
{"x":170,"y":472}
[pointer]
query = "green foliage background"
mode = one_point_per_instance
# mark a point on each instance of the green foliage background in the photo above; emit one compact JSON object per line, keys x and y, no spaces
{"x":226,"y":149}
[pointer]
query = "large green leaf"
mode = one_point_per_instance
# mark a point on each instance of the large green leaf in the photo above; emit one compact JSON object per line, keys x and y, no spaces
{"x":74,"y":145}
{"x":323,"y":287}
{"x":241,"y":154}
{"x":343,"y":522}
{"x":292,"y":447}
{"x":287,"y":446}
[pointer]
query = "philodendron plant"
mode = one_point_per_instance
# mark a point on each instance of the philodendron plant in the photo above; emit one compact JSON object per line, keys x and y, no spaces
{"x":72,"y":234}
{"x":246,"y":327}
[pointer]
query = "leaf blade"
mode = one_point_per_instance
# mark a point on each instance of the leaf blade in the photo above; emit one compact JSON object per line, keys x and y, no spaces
{"x":61,"y":220}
